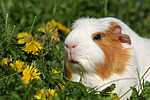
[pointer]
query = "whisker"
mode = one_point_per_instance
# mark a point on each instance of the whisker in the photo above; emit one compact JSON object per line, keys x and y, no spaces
{"x":114,"y":81}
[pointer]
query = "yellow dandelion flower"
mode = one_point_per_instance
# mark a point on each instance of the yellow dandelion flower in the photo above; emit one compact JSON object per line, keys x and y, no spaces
{"x":55,"y":37}
{"x":60,"y":26}
{"x":54,"y":71}
{"x":30,"y":73}
{"x":6,"y":61}
{"x":40,"y":94}
{"x":114,"y":96}
{"x":54,"y":22}
{"x":42,"y":29}
{"x":34,"y":73}
{"x":26,"y":77}
{"x":24,"y":34}
{"x":24,"y":37}
{"x":52,"y":93}
{"x":18,"y":65}
{"x":61,"y":86}
{"x":48,"y":28}
{"x":52,"y":28}
{"x":33,"y":47}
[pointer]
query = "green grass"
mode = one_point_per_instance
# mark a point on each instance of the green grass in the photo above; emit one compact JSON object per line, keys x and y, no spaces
{"x":29,"y":15}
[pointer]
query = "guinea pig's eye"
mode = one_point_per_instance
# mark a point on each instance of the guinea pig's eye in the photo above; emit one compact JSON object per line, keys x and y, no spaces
{"x":97,"y":37}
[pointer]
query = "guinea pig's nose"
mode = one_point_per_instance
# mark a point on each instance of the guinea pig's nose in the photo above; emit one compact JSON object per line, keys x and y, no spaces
{"x":66,"y":46}
{"x":73,"y":46}
{"x":70,"y":46}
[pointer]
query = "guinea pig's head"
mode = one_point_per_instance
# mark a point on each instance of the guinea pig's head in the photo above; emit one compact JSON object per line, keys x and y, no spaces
{"x":96,"y":46}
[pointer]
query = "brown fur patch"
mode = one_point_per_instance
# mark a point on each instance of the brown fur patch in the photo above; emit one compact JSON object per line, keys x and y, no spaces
{"x":116,"y":56}
{"x":67,"y":72}
{"x":113,"y":24}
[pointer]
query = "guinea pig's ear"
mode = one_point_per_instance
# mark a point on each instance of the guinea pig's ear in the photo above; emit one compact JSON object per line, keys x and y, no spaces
{"x":124,"y":38}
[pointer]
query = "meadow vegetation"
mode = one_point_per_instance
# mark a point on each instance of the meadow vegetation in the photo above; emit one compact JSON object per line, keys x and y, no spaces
{"x":32,"y":33}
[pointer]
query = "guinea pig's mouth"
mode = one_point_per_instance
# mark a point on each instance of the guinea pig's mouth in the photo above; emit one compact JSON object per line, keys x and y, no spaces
{"x":74,"y":62}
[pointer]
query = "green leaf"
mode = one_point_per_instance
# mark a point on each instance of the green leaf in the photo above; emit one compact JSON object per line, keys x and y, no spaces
{"x":108,"y":89}
{"x":14,"y":96}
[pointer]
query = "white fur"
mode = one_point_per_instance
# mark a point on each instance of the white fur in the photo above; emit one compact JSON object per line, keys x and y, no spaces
{"x":87,"y":53}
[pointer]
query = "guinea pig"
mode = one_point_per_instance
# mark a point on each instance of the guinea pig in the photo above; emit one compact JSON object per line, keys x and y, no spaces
{"x":106,"y":51}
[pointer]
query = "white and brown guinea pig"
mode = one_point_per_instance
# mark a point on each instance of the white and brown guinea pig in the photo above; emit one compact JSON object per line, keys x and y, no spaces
{"x":107,"y":51}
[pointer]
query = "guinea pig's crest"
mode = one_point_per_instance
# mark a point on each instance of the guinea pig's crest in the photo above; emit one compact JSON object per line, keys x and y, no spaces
{"x":79,"y":21}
